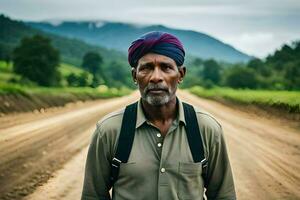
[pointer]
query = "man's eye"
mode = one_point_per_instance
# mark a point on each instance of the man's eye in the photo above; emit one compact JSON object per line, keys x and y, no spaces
{"x":167,"y":67}
{"x":144,"y":68}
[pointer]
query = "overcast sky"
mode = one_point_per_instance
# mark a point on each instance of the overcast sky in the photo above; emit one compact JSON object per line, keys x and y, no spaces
{"x":256,"y":27}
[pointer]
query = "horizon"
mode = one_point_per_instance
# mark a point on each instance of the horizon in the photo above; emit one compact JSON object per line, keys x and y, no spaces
{"x":256,"y":28}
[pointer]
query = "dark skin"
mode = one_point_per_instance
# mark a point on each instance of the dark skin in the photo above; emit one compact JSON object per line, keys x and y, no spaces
{"x":158,"y":69}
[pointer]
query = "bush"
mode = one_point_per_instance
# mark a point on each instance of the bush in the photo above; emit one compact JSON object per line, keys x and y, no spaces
{"x":241,"y":77}
{"x":37,"y":60}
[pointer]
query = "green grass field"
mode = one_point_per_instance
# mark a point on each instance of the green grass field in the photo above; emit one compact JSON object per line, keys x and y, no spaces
{"x":9,"y":87}
{"x":6,"y":73}
{"x":66,"y":69}
{"x":287,"y":100}
{"x":100,"y":92}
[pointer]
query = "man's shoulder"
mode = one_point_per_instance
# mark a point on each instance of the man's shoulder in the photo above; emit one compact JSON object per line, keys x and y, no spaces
{"x":111,"y":121}
{"x":206,"y":118}
{"x":210,"y":128}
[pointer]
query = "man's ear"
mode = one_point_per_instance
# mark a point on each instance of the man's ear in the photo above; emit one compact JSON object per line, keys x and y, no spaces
{"x":182,"y":72}
{"x":133,"y":74}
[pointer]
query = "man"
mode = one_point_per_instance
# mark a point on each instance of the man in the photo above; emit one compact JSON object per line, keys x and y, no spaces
{"x":161,"y":163}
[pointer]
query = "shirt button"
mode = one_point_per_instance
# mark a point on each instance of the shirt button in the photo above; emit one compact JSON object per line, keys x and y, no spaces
{"x":159,"y":144}
{"x":162,"y":170}
{"x":158,"y":135}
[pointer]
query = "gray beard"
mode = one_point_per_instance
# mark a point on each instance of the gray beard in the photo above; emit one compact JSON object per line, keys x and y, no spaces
{"x":157,"y":100}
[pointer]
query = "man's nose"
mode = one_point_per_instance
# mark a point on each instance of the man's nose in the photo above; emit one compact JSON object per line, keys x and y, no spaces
{"x":156,"y":76}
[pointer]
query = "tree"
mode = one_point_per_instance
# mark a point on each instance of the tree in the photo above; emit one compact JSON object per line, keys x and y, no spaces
{"x":92,"y":61}
{"x":197,"y":62}
{"x":280,"y":57}
{"x":83,"y":79}
{"x":80,"y":80}
{"x":241,"y":77}
{"x":5,"y":54}
{"x":255,"y":64}
{"x":258,"y":66}
{"x":292,"y":75}
{"x":211,"y":71}
{"x":72,"y":80}
{"x":37,"y":60}
{"x":119,"y":75}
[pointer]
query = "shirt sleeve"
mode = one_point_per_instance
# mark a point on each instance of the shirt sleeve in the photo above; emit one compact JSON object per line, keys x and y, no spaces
{"x":220,"y":185}
{"x":97,"y":169}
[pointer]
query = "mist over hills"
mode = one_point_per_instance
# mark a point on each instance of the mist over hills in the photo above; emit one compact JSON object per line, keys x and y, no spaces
{"x":71,"y":49}
{"x":118,"y":36}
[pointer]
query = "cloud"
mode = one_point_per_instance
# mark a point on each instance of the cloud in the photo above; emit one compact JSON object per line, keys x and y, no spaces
{"x":260,"y":44}
{"x":257,"y":44}
{"x":256,"y":27}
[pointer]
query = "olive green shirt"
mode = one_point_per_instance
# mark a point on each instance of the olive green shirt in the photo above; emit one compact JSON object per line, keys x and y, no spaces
{"x":158,"y":168}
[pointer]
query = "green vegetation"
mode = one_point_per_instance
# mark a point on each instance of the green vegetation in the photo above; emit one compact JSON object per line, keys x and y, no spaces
{"x":66,"y":69}
{"x":10,"y":83}
{"x":37,"y":64}
{"x":100,"y":92}
{"x":92,"y":62}
{"x":6,"y":72}
{"x":286,"y":100}
{"x":74,"y":76}
{"x":71,"y":51}
{"x":279,"y":71}
{"x":254,"y":82}
{"x":18,"y":98}
{"x":36,"y":60}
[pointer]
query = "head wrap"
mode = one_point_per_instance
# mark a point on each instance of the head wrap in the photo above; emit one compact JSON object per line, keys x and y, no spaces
{"x":156,"y":42}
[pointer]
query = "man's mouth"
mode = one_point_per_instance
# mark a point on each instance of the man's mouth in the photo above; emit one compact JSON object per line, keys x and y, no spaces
{"x":156,"y":90}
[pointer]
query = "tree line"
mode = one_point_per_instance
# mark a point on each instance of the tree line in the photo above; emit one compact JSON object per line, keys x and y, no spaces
{"x":278,"y":71}
{"x":37,"y":60}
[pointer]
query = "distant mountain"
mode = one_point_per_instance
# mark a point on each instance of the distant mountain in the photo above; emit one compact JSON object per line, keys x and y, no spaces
{"x":71,"y":50}
{"x":119,"y":35}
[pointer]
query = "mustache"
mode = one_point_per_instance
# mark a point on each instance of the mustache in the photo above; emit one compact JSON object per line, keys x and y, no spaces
{"x":156,"y":87}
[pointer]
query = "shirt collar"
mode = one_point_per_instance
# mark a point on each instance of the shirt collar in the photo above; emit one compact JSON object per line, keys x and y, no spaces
{"x":141,"y":118}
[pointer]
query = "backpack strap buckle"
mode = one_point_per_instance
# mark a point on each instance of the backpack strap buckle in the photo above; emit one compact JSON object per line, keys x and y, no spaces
{"x":115,"y":166}
{"x":204,"y":163}
{"x":116,"y":162}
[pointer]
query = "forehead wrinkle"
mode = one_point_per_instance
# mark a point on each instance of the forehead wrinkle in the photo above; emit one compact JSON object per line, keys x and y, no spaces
{"x":145,"y":60}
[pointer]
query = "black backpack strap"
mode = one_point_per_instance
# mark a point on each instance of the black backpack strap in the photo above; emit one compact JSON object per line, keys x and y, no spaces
{"x":194,"y":137}
{"x":127,"y":136}
{"x":125,"y":141}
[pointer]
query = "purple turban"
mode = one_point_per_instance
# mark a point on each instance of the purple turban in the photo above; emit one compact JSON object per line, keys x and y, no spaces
{"x":156,"y":42}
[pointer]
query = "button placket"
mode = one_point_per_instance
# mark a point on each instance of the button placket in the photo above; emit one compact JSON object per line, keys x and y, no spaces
{"x":159,"y":140}
{"x":162,"y":168}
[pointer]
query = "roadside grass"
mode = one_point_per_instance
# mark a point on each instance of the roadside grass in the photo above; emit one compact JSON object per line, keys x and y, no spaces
{"x":100,"y":92}
{"x":8,"y":76}
{"x":9,"y":87}
{"x":66,"y":69}
{"x":6,"y":73}
{"x":286,"y":100}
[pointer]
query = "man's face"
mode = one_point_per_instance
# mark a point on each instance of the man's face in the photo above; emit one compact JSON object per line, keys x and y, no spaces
{"x":157,"y":77}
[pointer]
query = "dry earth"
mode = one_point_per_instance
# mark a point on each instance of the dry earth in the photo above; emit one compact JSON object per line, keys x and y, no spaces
{"x":42,"y":155}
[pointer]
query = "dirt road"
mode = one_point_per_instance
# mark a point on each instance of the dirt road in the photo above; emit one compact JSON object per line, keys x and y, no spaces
{"x":34,"y":148}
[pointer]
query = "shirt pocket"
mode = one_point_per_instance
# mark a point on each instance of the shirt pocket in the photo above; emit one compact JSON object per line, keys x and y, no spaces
{"x":190,"y":183}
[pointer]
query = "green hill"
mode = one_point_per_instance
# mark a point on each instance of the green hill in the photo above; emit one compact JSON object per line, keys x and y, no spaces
{"x":107,"y":34}
{"x":71,"y":50}
{"x":8,"y":76}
